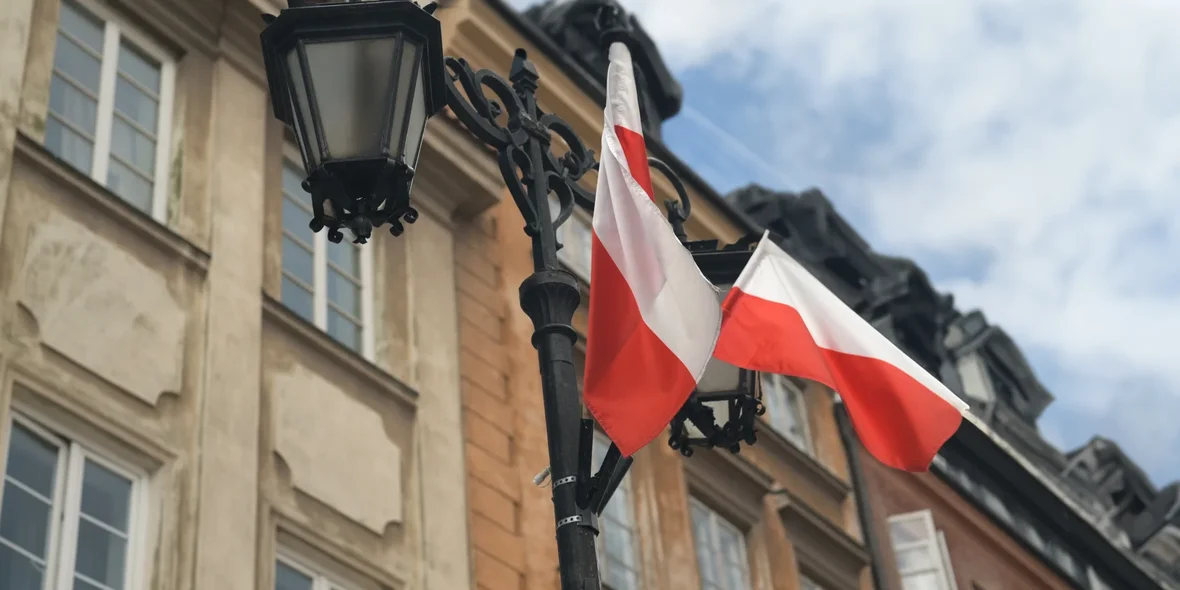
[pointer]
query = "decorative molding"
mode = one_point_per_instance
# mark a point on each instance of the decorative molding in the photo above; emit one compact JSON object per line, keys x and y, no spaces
{"x":457,"y":174}
{"x":733,"y":487}
{"x":286,"y":525}
{"x":80,"y":186}
{"x":278,"y":315}
{"x":826,"y":549}
{"x":800,"y":462}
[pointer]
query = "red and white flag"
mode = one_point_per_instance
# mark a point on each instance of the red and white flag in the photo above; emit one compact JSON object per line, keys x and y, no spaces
{"x":654,"y":318}
{"x":778,"y":318}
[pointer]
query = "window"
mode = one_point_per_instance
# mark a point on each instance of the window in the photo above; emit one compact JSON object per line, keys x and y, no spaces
{"x":68,"y":516}
{"x":785,"y":409}
{"x":920,"y":552}
{"x":1096,"y":581}
{"x":291,"y":575}
{"x":721,"y":550}
{"x":995,"y":505}
{"x":110,"y":105}
{"x":324,"y":283}
{"x":617,"y":551}
{"x":576,"y":240}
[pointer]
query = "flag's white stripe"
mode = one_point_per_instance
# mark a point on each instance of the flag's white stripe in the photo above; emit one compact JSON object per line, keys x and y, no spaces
{"x":774,"y":276}
{"x":675,"y":300}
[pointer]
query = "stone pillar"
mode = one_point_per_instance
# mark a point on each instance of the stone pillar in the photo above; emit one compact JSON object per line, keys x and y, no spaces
{"x":439,"y":426}
{"x":15,"y":20}
{"x":227,"y":502}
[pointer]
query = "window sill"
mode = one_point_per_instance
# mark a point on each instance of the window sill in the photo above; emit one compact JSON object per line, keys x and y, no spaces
{"x":81,"y":186}
{"x":276,"y":313}
{"x":782,"y":449}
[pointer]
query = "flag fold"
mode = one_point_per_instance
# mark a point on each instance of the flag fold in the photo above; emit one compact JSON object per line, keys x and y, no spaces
{"x":654,"y":318}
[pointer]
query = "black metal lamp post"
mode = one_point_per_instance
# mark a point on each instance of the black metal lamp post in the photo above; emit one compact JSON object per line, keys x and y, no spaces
{"x":356,"y":82}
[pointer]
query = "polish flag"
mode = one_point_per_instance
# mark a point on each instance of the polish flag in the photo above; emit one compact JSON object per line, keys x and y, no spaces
{"x":778,"y":318}
{"x":654,"y":318}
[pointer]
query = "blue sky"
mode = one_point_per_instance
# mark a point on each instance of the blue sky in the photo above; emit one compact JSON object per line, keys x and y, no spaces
{"x":1025,"y":152}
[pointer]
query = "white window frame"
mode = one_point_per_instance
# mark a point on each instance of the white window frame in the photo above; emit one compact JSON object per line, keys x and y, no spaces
{"x":934,"y":543}
{"x":600,"y":541}
{"x":291,"y":157}
{"x":572,"y":249}
{"x":67,"y":501}
{"x":300,"y":563}
{"x":716,"y":522}
{"x":789,"y":386}
{"x":114,"y":30}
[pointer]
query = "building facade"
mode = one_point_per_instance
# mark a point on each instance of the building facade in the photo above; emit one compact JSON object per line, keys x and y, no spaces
{"x":1001,"y":507}
{"x":196,"y":392}
{"x":781,"y":515}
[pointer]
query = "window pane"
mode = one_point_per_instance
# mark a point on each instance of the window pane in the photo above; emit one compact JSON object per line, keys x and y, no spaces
{"x":32,"y":461}
{"x":139,"y":67}
{"x":293,"y":184}
{"x":619,"y":544}
{"x":24,"y":520}
{"x":17,"y":572}
{"x":77,"y":63}
{"x":925,"y":581}
{"x":298,"y":299}
{"x":133,"y":147}
{"x":298,"y":261}
{"x":80,"y":584}
{"x":702,"y":536}
{"x":130,"y":185}
{"x":101,"y":554}
{"x":618,"y":576}
{"x":347,"y":257}
{"x":344,"y":293}
{"x":106,"y":496}
{"x":909,"y":530}
{"x":344,"y":330}
{"x":73,"y":105}
{"x":67,"y":145}
{"x":135,"y":105}
{"x":295,"y":221}
{"x":917,"y":558}
{"x":81,"y":24}
{"x":287,"y":578}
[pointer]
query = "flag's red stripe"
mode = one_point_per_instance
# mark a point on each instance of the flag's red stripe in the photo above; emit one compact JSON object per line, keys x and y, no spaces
{"x":625,"y":358}
{"x":900,"y":422}
{"x":636,"y":151}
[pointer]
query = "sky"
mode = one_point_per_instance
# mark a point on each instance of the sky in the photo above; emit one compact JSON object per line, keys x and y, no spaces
{"x":1026,"y":153}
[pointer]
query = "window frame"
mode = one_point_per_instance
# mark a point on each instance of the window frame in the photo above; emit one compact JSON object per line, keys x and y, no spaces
{"x":115,"y":30}
{"x":319,"y":290}
{"x":934,"y":543}
{"x":633,"y":528}
{"x":73,"y":453}
{"x":789,"y":385}
{"x":566,"y":255}
{"x":716,"y":520}
{"x":320,"y":579}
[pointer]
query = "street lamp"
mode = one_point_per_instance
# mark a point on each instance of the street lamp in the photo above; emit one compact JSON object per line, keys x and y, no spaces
{"x":357,"y":82}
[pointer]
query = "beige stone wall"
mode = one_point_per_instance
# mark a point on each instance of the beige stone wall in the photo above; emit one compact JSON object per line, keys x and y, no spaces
{"x":162,"y":342}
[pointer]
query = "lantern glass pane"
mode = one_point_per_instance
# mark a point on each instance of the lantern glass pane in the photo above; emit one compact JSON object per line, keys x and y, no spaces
{"x":304,"y":124}
{"x":351,"y":82}
{"x":417,"y":126}
{"x":402,"y":93}
{"x":719,"y":377}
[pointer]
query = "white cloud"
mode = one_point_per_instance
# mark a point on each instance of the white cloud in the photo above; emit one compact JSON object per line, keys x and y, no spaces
{"x":1039,"y":136}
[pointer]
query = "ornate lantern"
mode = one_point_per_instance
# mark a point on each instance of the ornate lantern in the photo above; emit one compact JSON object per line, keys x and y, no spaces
{"x":723,"y":410}
{"x":356,"y":82}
